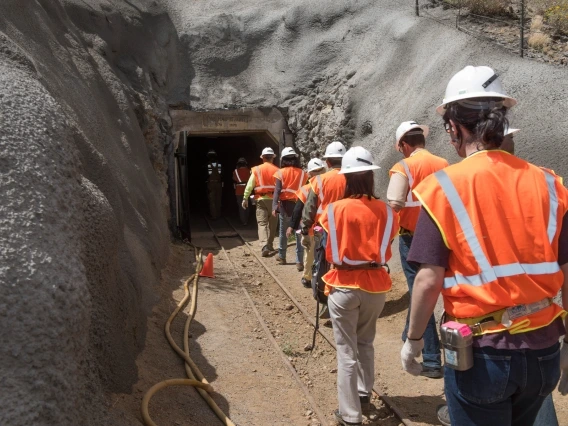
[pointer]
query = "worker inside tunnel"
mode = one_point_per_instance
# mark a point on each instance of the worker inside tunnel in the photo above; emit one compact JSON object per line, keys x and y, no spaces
{"x":195,"y":159}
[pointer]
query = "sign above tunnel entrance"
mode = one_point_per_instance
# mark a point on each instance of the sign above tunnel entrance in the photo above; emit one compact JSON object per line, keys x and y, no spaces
{"x":224,"y":122}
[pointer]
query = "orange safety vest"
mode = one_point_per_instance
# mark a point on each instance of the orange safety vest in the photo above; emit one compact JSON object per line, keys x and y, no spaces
{"x":329,"y":187}
{"x":501,"y":218}
{"x":416,"y":168}
{"x":292,"y":179}
{"x":359,"y":231}
{"x":241,"y":177}
{"x":264,"y":178}
{"x":303,"y":192}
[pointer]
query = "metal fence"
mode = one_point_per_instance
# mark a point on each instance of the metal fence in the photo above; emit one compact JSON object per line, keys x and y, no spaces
{"x":507,"y":31}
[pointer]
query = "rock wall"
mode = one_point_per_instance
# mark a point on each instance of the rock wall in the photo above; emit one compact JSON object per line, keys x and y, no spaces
{"x":84,"y":133}
{"x":355,"y":69}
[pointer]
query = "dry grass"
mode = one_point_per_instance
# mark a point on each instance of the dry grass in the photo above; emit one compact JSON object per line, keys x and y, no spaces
{"x":536,"y":23}
{"x":539,"y":41}
{"x":487,"y":7}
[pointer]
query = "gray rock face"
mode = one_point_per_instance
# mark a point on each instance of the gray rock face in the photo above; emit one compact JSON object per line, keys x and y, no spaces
{"x":84,"y":212}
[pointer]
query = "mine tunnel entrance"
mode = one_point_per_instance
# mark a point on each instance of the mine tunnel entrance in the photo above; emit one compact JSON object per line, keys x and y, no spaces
{"x":232,"y":134}
{"x":192,"y":162}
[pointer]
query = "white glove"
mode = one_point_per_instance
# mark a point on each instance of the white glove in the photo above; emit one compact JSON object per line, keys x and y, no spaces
{"x":306,"y":241}
{"x":410,"y":351}
{"x":245,"y":203}
{"x":563,"y":386}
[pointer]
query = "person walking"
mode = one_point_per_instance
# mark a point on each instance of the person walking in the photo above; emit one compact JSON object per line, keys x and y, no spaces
{"x":263,"y":183}
{"x":360,"y":231}
{"x":289,"y":179}
{"x":324,"y":189}
{"x":315,"y":167}
{"x":492,"y":239}
{"x":214,"y":184}
{"x":405,"y":175}
{"x":241,"y":175}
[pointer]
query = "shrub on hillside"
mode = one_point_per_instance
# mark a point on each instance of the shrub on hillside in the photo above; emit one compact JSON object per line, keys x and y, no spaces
{"x":539,"y":41}
{"x":487,"y":7}
{"x":557,"y":17}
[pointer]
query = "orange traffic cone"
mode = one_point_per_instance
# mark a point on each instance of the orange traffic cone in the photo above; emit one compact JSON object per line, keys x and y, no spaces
{"x":207,"y":270}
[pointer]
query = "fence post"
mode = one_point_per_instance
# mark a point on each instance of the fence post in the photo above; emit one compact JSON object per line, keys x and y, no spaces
{"x":522,"y":28}
{"x":417,"y":12}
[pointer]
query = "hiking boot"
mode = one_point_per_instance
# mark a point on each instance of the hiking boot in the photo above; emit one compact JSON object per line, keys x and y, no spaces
{"x":300,"y":267}
{"x":280,"y":260}
{"x":306,"y":283}
{"x":342,"y":422}
{"x":432,"y":372}
{"x":265,"y":252}
{"x":324,"y":312}
{"x":443,"y":415}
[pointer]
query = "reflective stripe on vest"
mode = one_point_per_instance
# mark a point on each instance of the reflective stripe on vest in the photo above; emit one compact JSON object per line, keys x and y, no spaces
{"x":335,"y":248}
{"x":491,"y":273}
{"x":292,"y":190}
{"x":410,"y":202}
{"x":260,"y":183}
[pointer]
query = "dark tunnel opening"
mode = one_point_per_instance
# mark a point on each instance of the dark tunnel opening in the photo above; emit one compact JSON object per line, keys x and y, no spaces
{"x":193,"y":180}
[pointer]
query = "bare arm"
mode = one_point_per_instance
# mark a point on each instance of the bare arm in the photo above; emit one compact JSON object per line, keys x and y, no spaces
{"x":427,"y":287}
{"x":397,"y":191}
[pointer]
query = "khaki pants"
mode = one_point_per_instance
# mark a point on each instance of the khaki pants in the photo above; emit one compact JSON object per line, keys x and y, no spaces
{"x":309,"y":259}
{"x":215,"y":190}
{"x":266,"y":223}
{"x":354,"y":315}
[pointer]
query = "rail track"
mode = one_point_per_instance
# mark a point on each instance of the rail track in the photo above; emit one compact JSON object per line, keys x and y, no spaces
{"x":234,"y":233}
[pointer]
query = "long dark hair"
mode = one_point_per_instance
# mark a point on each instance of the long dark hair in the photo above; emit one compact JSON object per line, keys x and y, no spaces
{"x":360,"y":184}
{"x":290,"y":161}
{"x":484,"y":118}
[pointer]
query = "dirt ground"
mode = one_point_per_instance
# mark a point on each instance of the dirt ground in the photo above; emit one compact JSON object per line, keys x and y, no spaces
{"x":251,"y":383}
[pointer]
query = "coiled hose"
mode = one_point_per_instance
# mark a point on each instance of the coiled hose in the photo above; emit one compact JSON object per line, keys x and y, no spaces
{"x":195,"y":377}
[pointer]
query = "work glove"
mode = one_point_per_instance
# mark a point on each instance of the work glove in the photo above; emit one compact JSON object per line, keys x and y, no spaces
{"x":245,"y":203}
{"x":563,"y":386}
{"x":306,"y":241}
{"x":410,"y":351}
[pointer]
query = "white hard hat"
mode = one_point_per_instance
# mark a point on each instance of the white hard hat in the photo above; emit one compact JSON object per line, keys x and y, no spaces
{"x":335,"y":150}
{"x":406,"y":127}
{"x":288,"y":151}
{"x":267,"y":151}
{"x":357,"y":159}
{"x":475,"y":82}
{"x":314,"y":164}
{"x":509,"y":131}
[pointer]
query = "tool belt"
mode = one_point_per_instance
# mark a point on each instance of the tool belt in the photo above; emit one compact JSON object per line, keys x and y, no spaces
{"x":363,"y":266}
{"x":505,"y":317}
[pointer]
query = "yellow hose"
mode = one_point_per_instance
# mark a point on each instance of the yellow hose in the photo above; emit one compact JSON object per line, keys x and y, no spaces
{"x":196,"y":378}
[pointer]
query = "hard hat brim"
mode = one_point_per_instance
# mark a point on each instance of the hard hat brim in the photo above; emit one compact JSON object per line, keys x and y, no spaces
{"x":511,"y":131}
{"x":508,"y":101}
{"x":333,"y":156}
{"x":358,"y":169}
{"x":315,"y":168}
{"x":425,"y":129}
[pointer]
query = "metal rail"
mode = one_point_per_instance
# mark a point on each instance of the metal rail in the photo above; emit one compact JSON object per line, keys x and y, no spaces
{"x":386,"y":399}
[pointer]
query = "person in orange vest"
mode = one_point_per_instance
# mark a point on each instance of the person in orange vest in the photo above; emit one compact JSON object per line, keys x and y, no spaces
{"x":324,"y":189}
{"x":360,"y":231}
{"x":492,"y":238}
{"x":405,"y":175}
{"x":241,"y":175}
{"x":315,"y":167}
{"x":289,"y":179}
{"x":263,"y":183}
{"x":547,"y":413}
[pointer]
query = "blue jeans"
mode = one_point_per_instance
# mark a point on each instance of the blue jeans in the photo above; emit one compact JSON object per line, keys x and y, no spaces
{"x":283,"y":244}
{"x":431,"y":353}
{"x":503,"y":388}
{"x":547,"y":414}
